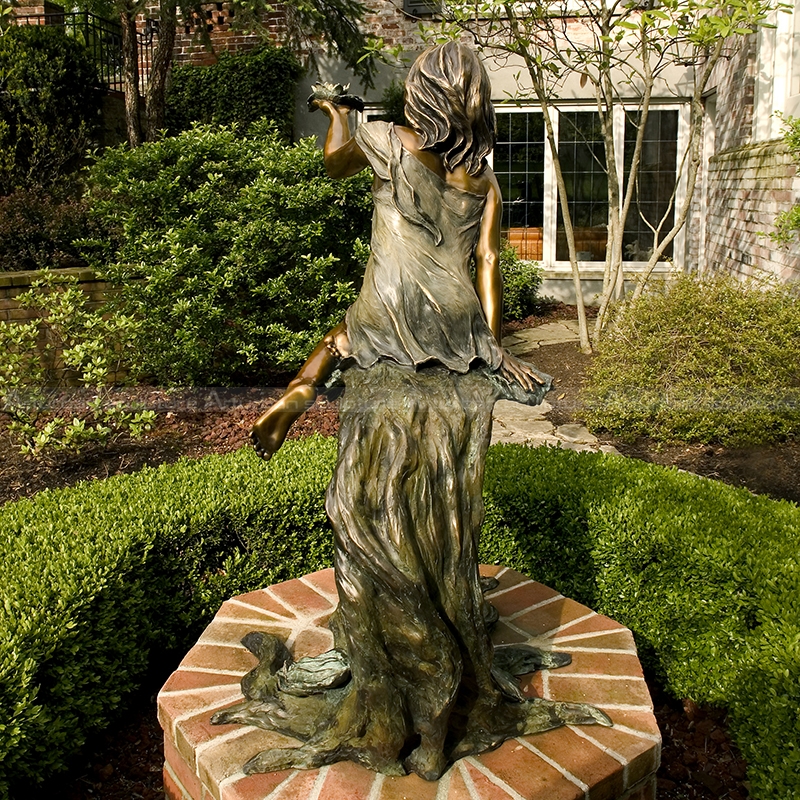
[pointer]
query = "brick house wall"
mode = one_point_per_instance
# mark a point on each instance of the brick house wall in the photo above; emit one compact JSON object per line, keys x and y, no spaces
{"x":389,"y":21}
{"x":212,"y":30}
{"x":33,"y":8}
{"x":749,"y":182}
{"x":749,"y":186}
{"x":734,"y":81}
{"x":217,"y":21}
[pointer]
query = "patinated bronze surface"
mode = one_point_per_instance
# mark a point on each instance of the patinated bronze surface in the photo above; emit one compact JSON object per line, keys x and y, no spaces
{"x":414,"y":682}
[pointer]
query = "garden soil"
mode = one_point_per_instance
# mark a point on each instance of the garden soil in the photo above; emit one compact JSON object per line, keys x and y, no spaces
{"x":699,"y":762}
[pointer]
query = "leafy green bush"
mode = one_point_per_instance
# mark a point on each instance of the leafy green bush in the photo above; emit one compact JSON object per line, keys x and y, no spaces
{"x":66,"y":344}
{"x":38,"y":229}
{"x":521,"y":283}
{"x":393,"y":104}
{"x":706,"y":576}
{"x":701,"y":360}
{"x":240,"y":88}
{"x":236,"y":252}
{"x":787,"y":224}
{"x":48,"y":106}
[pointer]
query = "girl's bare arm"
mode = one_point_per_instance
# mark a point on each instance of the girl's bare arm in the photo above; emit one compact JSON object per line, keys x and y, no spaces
{"x":489,"y":282}
{"x":343,"y":156}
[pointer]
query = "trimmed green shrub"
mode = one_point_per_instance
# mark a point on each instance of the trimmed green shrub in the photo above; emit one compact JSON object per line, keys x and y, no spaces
{"x":713,"y":359}
{"x":38,"y":230}
{"x":237,"y":252}
{"x":705,"y":575}
{"x":521,"y":283}
{"x":240,"y":88}
{"x":48,"y":106}
{"x":99,"y":575}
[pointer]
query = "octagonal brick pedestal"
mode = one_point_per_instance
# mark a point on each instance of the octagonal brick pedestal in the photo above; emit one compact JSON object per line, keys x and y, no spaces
{"x":203,"y":761}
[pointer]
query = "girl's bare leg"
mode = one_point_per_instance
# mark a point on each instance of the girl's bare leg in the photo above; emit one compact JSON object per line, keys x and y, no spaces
{"x":270,"y":430}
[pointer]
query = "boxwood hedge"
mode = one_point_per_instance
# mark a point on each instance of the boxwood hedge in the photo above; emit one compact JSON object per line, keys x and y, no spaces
{"x":100,"y":576}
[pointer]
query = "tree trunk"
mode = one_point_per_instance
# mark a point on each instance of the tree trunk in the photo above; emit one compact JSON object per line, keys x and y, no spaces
{"x":130,"y":73}
{"x":160,"y":68}
{"x":522,"y":50}
{"x":569,"y":231}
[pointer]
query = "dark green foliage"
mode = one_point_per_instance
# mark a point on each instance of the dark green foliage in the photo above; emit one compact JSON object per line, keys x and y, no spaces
{"x":706,"y":576}
{"x":393,"y":102}
{"x":97,"y":576}
{"x":48,"y":106}
{"x":248,"y":251}
{"x":521,"y":283}
{"x":240,"y":88}
{"x":38,"y":228}
{"x":705,"y":360}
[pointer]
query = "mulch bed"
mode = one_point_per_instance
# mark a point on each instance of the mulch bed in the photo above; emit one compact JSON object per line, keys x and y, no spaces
{"x":699,"y":762}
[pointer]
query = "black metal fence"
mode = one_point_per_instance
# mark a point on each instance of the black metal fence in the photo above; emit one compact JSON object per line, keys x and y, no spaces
{"x":103,"y":39}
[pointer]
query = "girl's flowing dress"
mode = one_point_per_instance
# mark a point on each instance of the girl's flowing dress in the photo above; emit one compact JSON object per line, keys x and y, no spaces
{"x":406,"y":505}
{"x":406,"y":497}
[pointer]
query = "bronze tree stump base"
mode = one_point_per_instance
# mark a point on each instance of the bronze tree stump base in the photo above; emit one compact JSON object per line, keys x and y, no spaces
{"x":204,"y":761}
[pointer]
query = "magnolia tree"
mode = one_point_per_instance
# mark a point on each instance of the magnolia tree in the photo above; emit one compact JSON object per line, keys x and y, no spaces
{"x":619,"y":53}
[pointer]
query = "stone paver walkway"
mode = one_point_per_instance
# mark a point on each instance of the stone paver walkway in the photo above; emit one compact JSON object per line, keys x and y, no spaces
{"x":518,"y":424}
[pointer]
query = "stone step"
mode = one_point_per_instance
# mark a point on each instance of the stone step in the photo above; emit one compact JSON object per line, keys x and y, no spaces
{"x":518,"y":424}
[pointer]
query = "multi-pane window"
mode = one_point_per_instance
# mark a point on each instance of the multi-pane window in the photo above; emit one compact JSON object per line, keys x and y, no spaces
{"x":519,"y":167}
{"x":532,"y":218}
{"x":582,"y":155}
{"x":651,"y":207}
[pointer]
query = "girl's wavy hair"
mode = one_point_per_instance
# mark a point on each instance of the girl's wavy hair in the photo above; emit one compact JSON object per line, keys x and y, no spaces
{"x":449,"y":102}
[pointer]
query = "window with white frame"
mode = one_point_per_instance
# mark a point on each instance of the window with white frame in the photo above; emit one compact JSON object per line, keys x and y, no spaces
{"x":519,"y":157}
{"x":532,"y":219}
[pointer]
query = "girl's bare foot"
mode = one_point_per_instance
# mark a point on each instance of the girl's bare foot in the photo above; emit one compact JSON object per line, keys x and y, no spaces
{"x":271,"y":427}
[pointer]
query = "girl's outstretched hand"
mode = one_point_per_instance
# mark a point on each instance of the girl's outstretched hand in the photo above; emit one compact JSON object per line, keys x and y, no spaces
{"x":516,"y":370}
{"x":336,"y":95}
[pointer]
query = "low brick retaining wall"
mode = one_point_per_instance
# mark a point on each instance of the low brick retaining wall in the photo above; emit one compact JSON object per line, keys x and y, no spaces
{"x":13,"y":284}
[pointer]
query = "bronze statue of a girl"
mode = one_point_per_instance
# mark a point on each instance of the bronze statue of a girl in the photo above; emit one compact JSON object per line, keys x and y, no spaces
{"x":414,"y":682}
